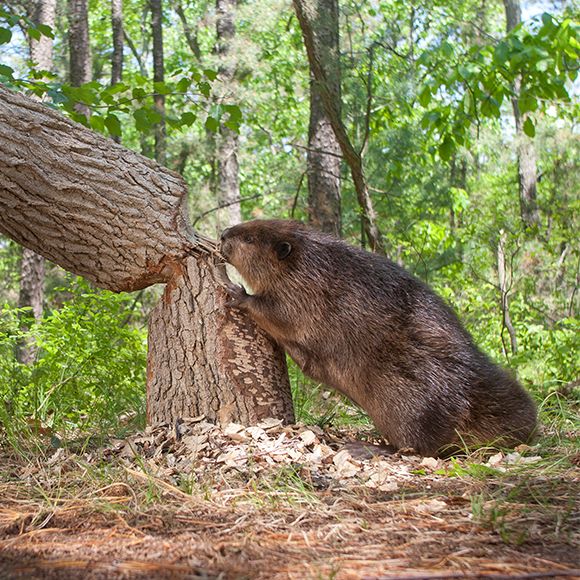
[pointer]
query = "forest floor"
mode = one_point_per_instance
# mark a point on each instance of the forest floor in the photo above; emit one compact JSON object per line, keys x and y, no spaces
{"x":197,"y":501}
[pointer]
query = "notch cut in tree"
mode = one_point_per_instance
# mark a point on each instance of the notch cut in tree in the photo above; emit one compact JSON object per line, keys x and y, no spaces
{"x":120,"y":220}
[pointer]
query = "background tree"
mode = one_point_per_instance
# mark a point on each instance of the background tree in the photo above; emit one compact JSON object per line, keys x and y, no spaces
{"x":323,"y":156}
{"x":80,"y":57}
{"x":228,"y":186}
{"x":158,"y":77}
{"x":527,"y":170}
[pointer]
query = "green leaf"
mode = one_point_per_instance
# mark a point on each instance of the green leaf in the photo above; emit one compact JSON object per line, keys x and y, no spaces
{"x":34,"y":33}
{"x":212,"y":124}
{"x":527,"y":103}
{"x":234,"y":112}
{"x":113,"y":125}
{"x":5,"y":35}
{"x":446,"y":48}
{"x":188,"y":118}
{"x":447,"y":148}
{"x":161,"y":88}
{"x":425,"y":96}
{"x":529,"y":128}
{"x":183,"y":85}
{"x":210,"y":74}
{"x":142,"y":122}
{"x":45,"y":30}
{"x":6,"y":71}
{"x":204,"y":89}
{"x":97,"y":123}
{"x":138,"y":93}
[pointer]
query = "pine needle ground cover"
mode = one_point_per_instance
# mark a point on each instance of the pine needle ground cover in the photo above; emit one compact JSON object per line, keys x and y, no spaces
{"x":193,"y":500}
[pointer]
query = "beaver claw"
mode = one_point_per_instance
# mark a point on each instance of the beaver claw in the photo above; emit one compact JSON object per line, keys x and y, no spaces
{"x":236,"y":294}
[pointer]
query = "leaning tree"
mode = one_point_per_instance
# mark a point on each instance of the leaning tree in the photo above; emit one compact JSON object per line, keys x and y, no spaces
{"x":120,"y":220}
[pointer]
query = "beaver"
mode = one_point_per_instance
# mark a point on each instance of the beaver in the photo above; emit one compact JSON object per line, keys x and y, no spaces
{"x":363,"y":325}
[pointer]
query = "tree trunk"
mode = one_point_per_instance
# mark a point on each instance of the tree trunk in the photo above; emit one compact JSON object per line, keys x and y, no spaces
{"x":228,"y":184}
{"x":191,"y":329}
{"x":158,"y":77}
{"x":31,"y":294}
{"x":43,"y":12}
{"x":190,"y":35}
{"x":526,"y":152}
{"x":119,"y":219}
{"x":323,"y":157}
{"x":118,"y":41}
{"x":310,"y":21}
{"x":79,"y":47}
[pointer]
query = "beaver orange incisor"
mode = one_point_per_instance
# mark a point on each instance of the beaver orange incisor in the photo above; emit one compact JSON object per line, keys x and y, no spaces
{"x":361,"y":324}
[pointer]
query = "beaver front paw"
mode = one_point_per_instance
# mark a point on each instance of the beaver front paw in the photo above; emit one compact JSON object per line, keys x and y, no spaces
{"x":237,"y":295}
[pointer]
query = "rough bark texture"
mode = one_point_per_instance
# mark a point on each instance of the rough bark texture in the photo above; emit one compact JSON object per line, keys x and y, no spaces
{"x":32,"y":267}
{"x":118,"y":41}
{"x":158,"y":77}
{"x":228,"y":192}
{"x":310,"y":22}
{"x":220,"y":351}
{"x":85,"y":203}
{"x":526,"y":152}
{"x":119,"y":219}
{"x":79,"y":47}
{"x":323,"y":158}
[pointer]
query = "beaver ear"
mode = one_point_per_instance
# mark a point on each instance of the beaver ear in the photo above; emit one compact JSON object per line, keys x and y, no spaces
{"x":283,"y":250}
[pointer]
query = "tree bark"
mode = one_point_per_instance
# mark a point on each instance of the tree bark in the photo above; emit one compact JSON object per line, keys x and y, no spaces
{"x":32,"y":266}
{"x":79,"y":47}
{"x":227,"y":145}
{"x":310,"y":21}
{"x":190,"y":35}
{"x":43,"y":12}
{"x":191,"y":329}
{"x":118,"y":41}
{"x":323,"y":157}
{"x":119,"y":219}
{"x":158,"y":77}
{"x":526,"y":152}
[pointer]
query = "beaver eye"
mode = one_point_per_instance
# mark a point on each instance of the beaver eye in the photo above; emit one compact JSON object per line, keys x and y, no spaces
{"x":248,"y":239}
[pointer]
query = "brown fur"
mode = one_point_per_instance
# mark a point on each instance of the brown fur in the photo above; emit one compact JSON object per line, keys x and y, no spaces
{"x":361,"y":324}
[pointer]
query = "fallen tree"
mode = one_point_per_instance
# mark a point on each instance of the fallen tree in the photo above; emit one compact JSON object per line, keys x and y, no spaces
{"x":120,"y":220}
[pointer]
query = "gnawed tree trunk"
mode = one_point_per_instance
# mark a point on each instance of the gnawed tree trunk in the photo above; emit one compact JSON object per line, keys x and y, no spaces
{"x":526,"y":152}
{"x":310,"y":22}
{"x":323,"y":157}
{"x":181,"y":338}
{"x":227,"y":145}
{"x":119,"y":219}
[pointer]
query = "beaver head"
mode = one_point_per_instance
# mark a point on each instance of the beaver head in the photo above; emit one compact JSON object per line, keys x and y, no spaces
{"x":261,"y":250}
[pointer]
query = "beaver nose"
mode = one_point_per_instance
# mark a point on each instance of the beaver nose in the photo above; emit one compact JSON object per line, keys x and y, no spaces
{"x":224,"y":234}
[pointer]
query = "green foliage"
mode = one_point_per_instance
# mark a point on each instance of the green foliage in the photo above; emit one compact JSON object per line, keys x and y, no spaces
{"x":89,"y":369}
{"x":436,"y":78}
{"x":464,"y":87}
